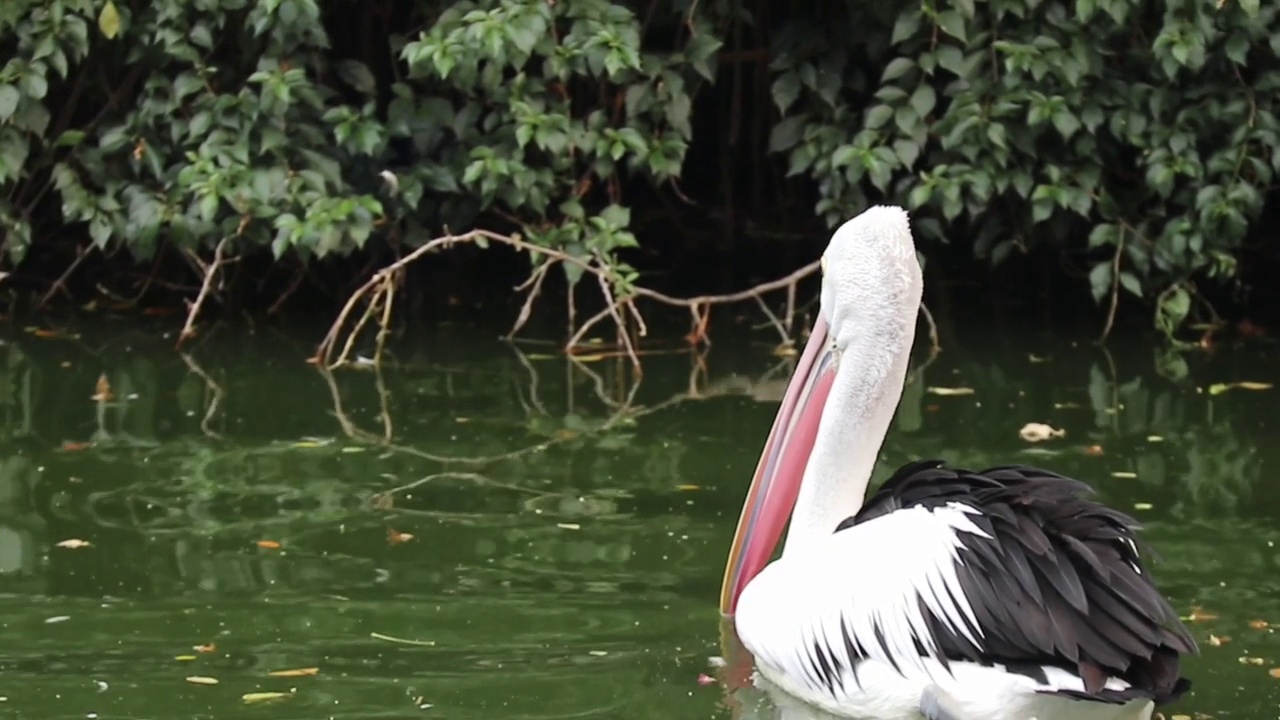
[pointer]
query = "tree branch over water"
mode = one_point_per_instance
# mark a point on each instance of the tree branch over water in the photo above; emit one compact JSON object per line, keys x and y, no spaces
{"x":378,"y":294}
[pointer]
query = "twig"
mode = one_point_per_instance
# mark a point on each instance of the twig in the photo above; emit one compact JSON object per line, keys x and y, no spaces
{"x":1115,"y":287}
{"x":935,"y":346}
{"x":211,"y":385}
{"x":61,"y":282}
{"x":210,"y":271}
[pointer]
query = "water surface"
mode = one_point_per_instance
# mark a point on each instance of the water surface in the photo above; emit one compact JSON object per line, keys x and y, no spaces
{"x":491,"y":531}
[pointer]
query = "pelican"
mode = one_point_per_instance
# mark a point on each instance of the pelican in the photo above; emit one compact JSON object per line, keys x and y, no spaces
{"x":1005,"y":594}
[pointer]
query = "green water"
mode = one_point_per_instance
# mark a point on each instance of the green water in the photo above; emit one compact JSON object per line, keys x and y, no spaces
{"x":568,"y":526}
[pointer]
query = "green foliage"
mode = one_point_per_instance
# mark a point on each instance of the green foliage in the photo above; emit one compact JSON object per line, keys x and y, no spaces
{"x":1132,"y":137}
{"x":194,"y":122}
{"x":1136,"y":137}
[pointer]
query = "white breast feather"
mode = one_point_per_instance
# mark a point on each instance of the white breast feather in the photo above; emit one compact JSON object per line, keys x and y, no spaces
{"x":866,"y":576}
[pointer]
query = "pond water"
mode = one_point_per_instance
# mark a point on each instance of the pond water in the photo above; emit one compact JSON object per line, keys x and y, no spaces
{"x":230,"y":533}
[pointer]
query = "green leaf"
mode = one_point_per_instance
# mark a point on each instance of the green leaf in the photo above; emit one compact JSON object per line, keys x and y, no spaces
{"x":1251,"y":8}
{"x":1100,"y":280}
{"x":1172,"y":309}
{"x":1131,"y":283}
{"x":786,"y":89}
{"x":923,"y":100}
{"x":896,"y":69}
{"x":878,"y":115}
{"x":109,"y":20}
{"x":952,"y":23}
{"x":906,"y":26}
{"x":9,"y":99}
{"x":786,"y":134}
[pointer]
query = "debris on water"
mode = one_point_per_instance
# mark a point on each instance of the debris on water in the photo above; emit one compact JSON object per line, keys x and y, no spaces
{"x":1039,"y":432}
{"x":402,"y":641}
{"x":201,"y":680}
{"x":1218,"y":640}
{"x":1199,"y":614}
{"x":74,"y":543}
{"x":395,"y":537}
{"x":1155,"y":438}
{"x":598,"y":653}
{"x":57,"y":619}
{"x":295,"y":672}
{"x":184,"y":658}
{"x":257,"y":697}
{"x":949,"y":391}
{"x":569,"y":526}
{"x":717,"y":661}
{"x":1219,"y":388}
{"x":1124,"y":474}
{"x":102,"y":390}
{"x":1093,"y":450}
{"x":269,"y":544}
{"x":1142,"y":505}
{"x":211,"y":647}
{"x":1259,"y":624}
{"x":705,"y":679}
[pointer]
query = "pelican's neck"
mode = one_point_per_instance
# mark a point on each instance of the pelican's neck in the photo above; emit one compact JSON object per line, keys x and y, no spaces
{"x":864,"y":395}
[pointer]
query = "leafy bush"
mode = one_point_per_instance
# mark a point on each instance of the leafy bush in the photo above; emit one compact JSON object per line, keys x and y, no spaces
{"x":1132,"y":136}
{"x":1138,"y":137}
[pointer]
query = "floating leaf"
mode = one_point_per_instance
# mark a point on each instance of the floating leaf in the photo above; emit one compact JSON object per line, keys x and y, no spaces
{"x":1274,"y":672}
{"x":1259,"y":624}
{"x":1039,"y":432}
{"x":201,"y":680}
{"x":569,"y":526}
{"x":102,"y":390}
{"x":1142,"y":505}
{"x":705,"y":679}
{"x":395,"y":538}
{"x":109,"y":20}
{"x":269,"y":544}
{"x":70,"y":446}
{"x":74,"y":543}
{"x":256,"y":697}
{"x":950,"y":390}
{"x":1219,"y":388}
{"x":296,"y":672}
{"x":184,"y":658}
{"x":688,"y":488}
{"x":1218,"y":640}
{"x":211,"y":647}
{"x":1124,"y":474}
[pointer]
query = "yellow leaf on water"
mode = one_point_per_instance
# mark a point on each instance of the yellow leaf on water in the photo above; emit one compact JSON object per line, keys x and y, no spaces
{"x":1124,"y":474}
{"x":185,"y":658}
{"x":1142,"y":506}
{"x":949,"y":390}
{"x":256,"y":697}
{"x":1274,"y":672}
{"x":1039,"y":432}
{"x":296,"y":672}
{"x":589,"y":358}
{"x":1219,"y":388}
{"x":688,"y":488}
{"x":202,"y":680}
{"x":569,"y":526}
{"x":74,"y":543}
{"x":109,"y":20}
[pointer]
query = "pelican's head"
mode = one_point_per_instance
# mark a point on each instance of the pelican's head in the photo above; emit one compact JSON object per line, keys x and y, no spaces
{"x":871,"y":288}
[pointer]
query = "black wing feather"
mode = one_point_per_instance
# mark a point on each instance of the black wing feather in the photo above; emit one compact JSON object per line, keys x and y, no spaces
{"x":1060,"y":581}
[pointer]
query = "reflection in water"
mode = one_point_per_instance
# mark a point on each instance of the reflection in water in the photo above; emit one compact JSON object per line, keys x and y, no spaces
{"x":497,"y":533}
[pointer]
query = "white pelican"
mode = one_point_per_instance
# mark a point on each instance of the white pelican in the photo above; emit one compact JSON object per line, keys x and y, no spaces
{"x":1006,"y":594}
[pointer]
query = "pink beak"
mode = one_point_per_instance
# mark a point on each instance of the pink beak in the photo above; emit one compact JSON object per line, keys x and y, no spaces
{"x":776,"y":484}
